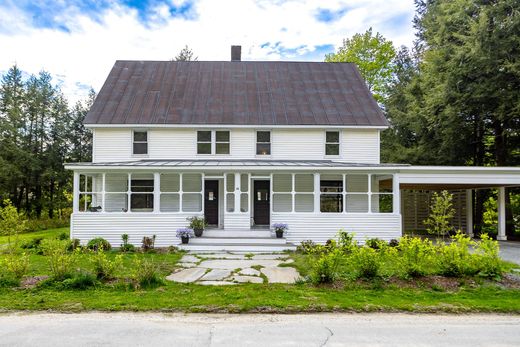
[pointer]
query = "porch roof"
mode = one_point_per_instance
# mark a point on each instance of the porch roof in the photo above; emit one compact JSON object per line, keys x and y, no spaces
{"x":229,"y":163}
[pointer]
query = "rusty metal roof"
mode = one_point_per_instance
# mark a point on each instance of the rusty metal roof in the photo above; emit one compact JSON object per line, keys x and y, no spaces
{"x":235,"y":93}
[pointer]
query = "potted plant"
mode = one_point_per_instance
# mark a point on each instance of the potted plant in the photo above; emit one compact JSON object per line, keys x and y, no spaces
{"x":197,"y":223}
{"x":279,"y":229}
{"x":185,"y":234}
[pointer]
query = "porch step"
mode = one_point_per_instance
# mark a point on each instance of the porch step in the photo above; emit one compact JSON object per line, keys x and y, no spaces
{"x":246,"y":233}
{"x":237,"y":240}
{"x":238,"y":247}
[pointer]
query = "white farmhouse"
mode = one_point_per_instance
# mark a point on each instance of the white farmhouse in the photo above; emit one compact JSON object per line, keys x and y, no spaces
{"x":249,"y":144}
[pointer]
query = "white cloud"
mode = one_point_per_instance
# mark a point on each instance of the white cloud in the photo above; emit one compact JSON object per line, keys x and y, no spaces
{"x":85,"y":55}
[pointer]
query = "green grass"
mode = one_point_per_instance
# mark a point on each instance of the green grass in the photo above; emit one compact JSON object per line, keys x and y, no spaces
{"x":49,"y":233}
{"x":354,"y":296}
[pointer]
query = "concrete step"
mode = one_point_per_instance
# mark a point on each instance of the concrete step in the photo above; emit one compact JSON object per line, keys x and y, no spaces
{"x":236,"y":233}
{"x":237,"y":240}
{"x":237,"y":247}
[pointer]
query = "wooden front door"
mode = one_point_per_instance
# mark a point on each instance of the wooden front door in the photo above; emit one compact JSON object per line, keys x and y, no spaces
{"x":211,"y":202}
{"x":261,"y":203}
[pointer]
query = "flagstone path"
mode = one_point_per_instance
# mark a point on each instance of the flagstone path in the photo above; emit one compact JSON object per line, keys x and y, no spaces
{"x":233,"y":268}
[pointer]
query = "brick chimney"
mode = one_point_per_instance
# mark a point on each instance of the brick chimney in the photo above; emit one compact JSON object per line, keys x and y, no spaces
{"x":236,"y":53}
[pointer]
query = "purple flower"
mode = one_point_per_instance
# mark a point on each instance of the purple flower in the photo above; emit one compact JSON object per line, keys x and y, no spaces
{"x":185,"y":232}
{"x":280,"y":226}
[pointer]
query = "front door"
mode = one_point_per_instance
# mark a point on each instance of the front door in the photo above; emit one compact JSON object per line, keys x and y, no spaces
{"x":261,"y":203}
{"x":211,"y":202}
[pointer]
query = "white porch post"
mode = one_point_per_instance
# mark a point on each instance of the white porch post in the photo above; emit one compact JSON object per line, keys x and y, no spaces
{"x":469,"y":212}
{"x":103,"y":189}
{"x":397,"y":195}
{"x":501,"y":214}
{"x":156,"y":192}
{"x":75,"y":198}
{"x":316,"y":193}
{"x":237,"y":192}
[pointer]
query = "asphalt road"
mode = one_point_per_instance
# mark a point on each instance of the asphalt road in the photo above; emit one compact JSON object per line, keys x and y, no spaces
{"x":330,"y":329}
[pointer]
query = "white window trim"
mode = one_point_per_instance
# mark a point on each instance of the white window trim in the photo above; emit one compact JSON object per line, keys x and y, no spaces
{"x":340,"y":144}
{"x":213,"y":144}
{"x":255,"y":141}
{"x":147,"y":143}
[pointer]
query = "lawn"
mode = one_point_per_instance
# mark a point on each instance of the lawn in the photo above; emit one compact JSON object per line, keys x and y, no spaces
{"x":381,"y":295}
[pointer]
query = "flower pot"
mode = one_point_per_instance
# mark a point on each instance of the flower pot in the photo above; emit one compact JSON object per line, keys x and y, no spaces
{"x":279,"y":234}
{"x":198,"y":232}
{"x":185,"y":240}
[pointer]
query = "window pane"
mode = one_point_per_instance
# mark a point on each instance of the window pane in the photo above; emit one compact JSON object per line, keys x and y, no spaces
{"x":304,"y":183}
{"x":244,"y":182}
{"x":332,"y":137}
{"x":192,"y":183}
{"x":140,"y":148}
{"x":282,"y":183}
{"x":263,"y":136}
{"x":142,"y":185}
{"x":381,"y":183}
{"x":263,"y":148}
{"x":304,"y":202}
{"x":331,"y":202}
{"x":170,"y":203}
{"x":192,"y":202}
{"x":331,"y":149}
{"x":141,"y":202}
{"x":85,"y":202}
{"x":203,"y":136}
{"x":116,"y":182}
{"x":230,"y":202}
{"x":282,"y":202}
{"x":140,"y":136}
{"x":244,"y":202}
{"x":85,"y":183}
{"x":331,"y":186}
{"x":382,"y":203}
{"x":357,"y":203}
{"x":222,"y":148}
{"x":170,"y":182}
{"x":230,"y":182}
{"x":117,"y":202}
{"x":222,"y":136}
{"x":204,"y":148}
{"x":357,"y":183}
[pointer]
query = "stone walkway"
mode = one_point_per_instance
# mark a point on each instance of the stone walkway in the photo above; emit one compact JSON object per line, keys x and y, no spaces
{"x":233,"y":268}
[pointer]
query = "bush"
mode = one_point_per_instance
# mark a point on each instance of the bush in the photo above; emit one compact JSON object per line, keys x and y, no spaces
{"x":146,"y":273}
{"x":14,"y":266}
{"x":393,"y":243}
{"x":63,"y":236}
{"x":126,"y":247}
{"x":73,"y":245}
{"x":79,"y":280}
{"x":33,"y":244}
{"x":375,"y":243}
{"x":61,"y":262}
{"x":455,"y":259}
{"x":104,"y":268}
{"x":306,"y":247}
{"x":346,"y":241}
{"x":325,"y":270}
{"x":148,"y":243}
{"x":47,"y":223}
{"x":99,"y":243}
{"x":367,"y":262}
{"x":416,"y":256}
{"x":487,"y":257}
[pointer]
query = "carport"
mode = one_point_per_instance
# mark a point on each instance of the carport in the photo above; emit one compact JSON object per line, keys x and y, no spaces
{"x":416,"y":183}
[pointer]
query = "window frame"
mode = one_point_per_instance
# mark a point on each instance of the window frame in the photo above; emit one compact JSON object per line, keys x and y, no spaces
{"x":213,"y":142}
{"x":134,"y":142}
{"x":228,"y":142}
{"x":332,"y":143}
{"x":340,"y":193}
{"x":270,"y":143}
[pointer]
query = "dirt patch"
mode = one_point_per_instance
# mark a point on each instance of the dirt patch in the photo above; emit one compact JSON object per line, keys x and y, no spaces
{"x":31,"y":282}
{"x":510,"y":281}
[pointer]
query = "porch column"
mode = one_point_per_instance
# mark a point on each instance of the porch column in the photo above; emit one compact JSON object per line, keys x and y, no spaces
{"x":156,"y":192}
{"x":501,"y":214}
{"x":469,"y":212}
{"x":237,"y":192}
{"x":103,"y":189}
{"x":396,"y":208}
{"x":316,"y":193}
{"x":75,"y":196}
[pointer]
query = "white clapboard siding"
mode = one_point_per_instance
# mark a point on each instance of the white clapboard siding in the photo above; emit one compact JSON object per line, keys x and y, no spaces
{"x":110,"y":226}
{"x":237,"y":221}
{"x":320,"y":228}
{"x":361,"y":146}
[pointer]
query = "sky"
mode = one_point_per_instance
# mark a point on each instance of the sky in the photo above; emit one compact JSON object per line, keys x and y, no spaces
{"x":78,"y":41}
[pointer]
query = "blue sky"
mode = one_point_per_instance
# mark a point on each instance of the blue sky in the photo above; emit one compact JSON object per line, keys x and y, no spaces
{"x":77,"y":41}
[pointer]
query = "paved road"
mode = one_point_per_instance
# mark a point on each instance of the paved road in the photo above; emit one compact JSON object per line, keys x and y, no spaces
{"x":510,"y":251}
{"x":155,"y":329}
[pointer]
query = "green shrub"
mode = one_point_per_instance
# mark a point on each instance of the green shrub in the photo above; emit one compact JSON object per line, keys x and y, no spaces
{"x":33,"y":244}
{"x":12,"y":223}
{"x":99,"y":243}
{"x":126,"y":247}
{"x":455,"y":259}
{"x":375,"y":243}
{"x":146,"y":273}
{"x":441,"y":214}
{"x":346,"y":241}
{"x":104,"y":268}
{"x":148,"y":243}
{"x":73,"y":245}
{"x":47,"y":223}
{"x":61,"y":262}
{"x":63,"y":236}
{"x":12,"y":268}
{"x":79,"y":280}
{"x":366,"y":262}
{"x":487,"y":257}
{"x":416,"y":256}
{"x":325,"y":269}
{"x":393,"y":243}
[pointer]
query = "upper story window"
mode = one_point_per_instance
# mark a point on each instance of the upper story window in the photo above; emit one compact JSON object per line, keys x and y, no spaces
{"x":213,"y":142}
{"x":263,"y":143}
{"x":332,"y":143}
{"x":140,"y":142}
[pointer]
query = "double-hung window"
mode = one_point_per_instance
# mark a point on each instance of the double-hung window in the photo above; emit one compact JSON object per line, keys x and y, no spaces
{"x":331,"y":195}
{"x":213,"y":142}
{"x":263,"y":143}
{"x":332,"y":143}
{"x":140,"y":142}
